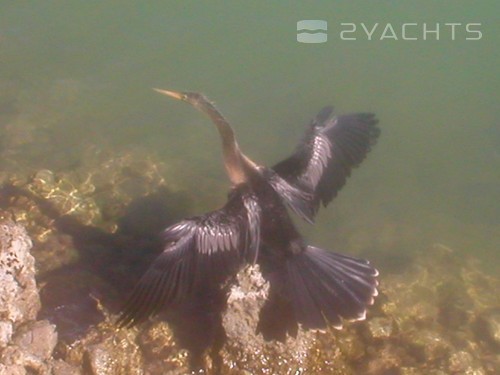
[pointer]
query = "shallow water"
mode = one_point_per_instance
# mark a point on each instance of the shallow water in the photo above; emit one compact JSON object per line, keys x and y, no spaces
{"x":76,"y":74}
{"x":84,"y":71}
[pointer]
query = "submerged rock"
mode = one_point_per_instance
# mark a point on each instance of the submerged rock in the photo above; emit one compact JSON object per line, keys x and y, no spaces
{"x":440,"y":316}
{"x":487,"y":328}
{"x":380,"y":327}
{"x":93,"y":227}
{"x":463,"y":362}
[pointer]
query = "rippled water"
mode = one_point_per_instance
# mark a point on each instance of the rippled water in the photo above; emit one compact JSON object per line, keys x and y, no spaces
{"x":80,"y":73}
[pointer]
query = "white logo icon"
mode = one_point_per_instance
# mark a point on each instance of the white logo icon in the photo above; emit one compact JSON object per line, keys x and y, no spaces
{"x":311,"y":31}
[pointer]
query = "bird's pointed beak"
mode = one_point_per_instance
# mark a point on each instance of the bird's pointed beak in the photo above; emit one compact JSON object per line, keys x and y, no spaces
{"x":172,"y":94}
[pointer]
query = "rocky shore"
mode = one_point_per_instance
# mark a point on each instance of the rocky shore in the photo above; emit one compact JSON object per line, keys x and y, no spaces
{"x":73,"y":242}
{"x":437,"y":315}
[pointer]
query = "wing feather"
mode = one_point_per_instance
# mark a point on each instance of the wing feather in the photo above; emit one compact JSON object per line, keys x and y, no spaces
{"x":200,"y":251}
{"x":330,"y":149}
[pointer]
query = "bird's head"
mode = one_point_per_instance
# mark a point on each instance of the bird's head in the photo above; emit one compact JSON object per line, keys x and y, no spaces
{"x":197,"y":100}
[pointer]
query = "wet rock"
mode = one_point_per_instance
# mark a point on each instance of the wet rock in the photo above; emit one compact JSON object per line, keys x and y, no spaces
{"x":247,"y":349}
{"x":59,"y":367}
{"x":404,"y":334}
{"x":6,"y":330}
{"x":152,"y":348}
{"x":38,"y":338}
{"x":326,"y":357}
{"x":160,"y":351}
{"x":246,"y":299}
{"x":19,"y":300}
{"x":12,"y":370}
{"x":70,"y":301}
{"x":54,"y":252}
{"x":26,"y":345}
{"x":105,"y":351}
{"x":32,"y":354}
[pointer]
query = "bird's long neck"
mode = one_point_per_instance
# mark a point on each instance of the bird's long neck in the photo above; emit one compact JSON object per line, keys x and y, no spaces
{"x":236,"y":163}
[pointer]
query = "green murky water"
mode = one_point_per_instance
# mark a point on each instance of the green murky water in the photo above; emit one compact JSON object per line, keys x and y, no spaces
{"x":84,"y":71}
{"x":79,"y":74}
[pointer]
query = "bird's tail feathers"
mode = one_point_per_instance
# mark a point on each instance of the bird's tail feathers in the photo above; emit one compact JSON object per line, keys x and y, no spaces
{"x":326,"y":287}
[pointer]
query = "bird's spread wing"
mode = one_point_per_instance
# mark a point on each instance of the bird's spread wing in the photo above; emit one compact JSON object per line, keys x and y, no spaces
{"x":200,"y":251}
{"x":331,"y":147}
{"x":297,"y":199}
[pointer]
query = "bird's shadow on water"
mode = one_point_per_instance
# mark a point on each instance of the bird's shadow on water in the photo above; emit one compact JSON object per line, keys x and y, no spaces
{"x":109,"y":265}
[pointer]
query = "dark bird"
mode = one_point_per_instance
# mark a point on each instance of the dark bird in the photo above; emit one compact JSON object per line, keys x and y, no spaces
{"x":254,"y":225}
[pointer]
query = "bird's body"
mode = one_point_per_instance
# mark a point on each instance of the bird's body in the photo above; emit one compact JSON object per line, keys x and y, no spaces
{"x":255,"y":226}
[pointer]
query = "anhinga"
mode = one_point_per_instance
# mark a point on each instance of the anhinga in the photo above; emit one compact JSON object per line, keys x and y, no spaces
{"x":254,"y":226}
